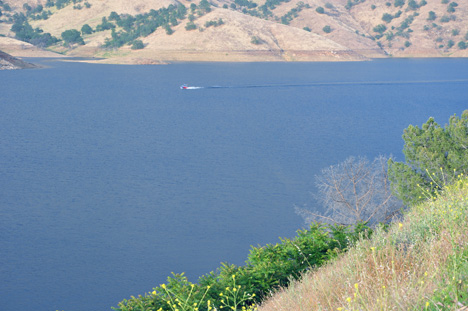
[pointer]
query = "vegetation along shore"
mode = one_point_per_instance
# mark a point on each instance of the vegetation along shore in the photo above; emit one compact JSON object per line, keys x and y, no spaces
{"x":417,"y":259}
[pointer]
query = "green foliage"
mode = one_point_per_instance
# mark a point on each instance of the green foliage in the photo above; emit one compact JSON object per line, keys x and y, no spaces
{"x":72,"y":36}
{"x":327,"y":29}
{"x":455,"y":32}
{"x":380,"y":28}
{"x":246,"y":3}
{"x":373,"y":7}
{"x":462,"y":45}
{"x":104,"y":25}
{"x":386,"y":17}
{"x":434,"y":157}
{"x":450,"y":44}
{"x":24,"y":32}
{"x":143,"y":25}
{"x":399,"y":3}
{"x":205,"y":6}
{"x":137,"y":45}
{"x":114,"y":16}
{"x":412,"y":5}
{"x":190,"y":26}
{"x":320,"y":10}
{"x":214,"y":23}
{"x":451,"y":7}
{"x":59,"y":4}
{"x":352,"y":3}
{"x":432,"y":16}
{"x":445,"y":19}
{"x":407,"y":44}
{"x":86,"y":29}
{"x":307,"y":29}
{"x":267,"y":268}
{"x":294,"y":12}
{"x":330,"y":6}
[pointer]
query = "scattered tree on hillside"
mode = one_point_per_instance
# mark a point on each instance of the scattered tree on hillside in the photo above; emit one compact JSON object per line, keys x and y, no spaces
{"x":380,"y":28}
{"x":24,"y":32}
{"x":137,"y":45}
{"x":86,"y":29}
{"x":399,"y":3}
{"x":72,"y":36}
{"x":205,"y":6}
{"x":353,"y":191}
{"x":434,"y":157}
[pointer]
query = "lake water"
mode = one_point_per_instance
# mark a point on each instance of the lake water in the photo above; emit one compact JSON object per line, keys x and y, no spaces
{"x":111,"y":177}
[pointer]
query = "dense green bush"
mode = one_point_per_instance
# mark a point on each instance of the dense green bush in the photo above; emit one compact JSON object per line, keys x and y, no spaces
{"x":190,"y":26}
{"x":434,"y":157}
{"x":327,"y":29}
{"x":399,"y":3}
{"x":387,"y":17}
{"x":380,"y":28}
{"x":462,"y":45}
{"x":137,"y":45}
{"x":72,"y":36}
{"x":266,"y":269}
{"x":86,"y":29}
{"x":320,"y":10}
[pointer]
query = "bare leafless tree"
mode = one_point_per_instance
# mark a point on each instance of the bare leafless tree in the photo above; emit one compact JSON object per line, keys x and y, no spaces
{"x":355,"y":190}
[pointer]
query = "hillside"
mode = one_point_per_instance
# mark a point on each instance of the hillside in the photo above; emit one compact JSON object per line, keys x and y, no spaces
{"x":260,"y":30}
{"x":420,"y":263}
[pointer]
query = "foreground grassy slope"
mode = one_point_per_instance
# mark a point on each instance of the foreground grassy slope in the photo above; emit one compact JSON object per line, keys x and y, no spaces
{"x":421,"y":263}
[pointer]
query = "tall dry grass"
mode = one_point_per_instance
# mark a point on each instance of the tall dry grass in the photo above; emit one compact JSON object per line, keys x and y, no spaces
{"x":420,"y":263}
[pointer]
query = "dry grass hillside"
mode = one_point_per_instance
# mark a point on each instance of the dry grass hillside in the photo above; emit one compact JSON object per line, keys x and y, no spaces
{"x":307,"y":30}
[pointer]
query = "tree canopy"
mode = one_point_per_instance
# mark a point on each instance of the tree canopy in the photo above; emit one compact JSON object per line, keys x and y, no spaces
{"x":434,"y":156}
{"x":72,"y":36}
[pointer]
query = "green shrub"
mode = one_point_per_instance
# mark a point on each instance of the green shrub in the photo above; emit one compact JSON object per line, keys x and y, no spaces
{"x":320,"y":10}
{"x":450,"y":44}
{"x":387,"y":17}
{"x":327,"y":29}
{"x":434,"y":155}
{"x":72,"y":36}
{"x":307,"y":29}
{"x":399,"y":3}
{"x":462,"y":45}
{"x":380,"y":28}
{"x":407,"y":44}
{"x":137,"y":45}
{"x":445,"y":19}
{"x":190,"y":26}
{"x":455,"y":32}
{"x":86,"y":29}
{"x":267,"y":268}
{"x":432,"y":16}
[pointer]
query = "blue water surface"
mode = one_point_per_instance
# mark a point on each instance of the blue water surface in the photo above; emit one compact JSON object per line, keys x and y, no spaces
{"x":111,"y":177}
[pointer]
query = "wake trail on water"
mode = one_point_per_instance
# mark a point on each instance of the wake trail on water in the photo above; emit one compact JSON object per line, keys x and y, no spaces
{"x":327,"y":84}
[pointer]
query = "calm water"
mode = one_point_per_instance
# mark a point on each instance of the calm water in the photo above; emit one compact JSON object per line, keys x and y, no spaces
{"x":111,"y":176}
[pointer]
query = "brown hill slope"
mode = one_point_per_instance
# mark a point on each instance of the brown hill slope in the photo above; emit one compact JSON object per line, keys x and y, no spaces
{"x":334,"y":30}
{"x":8,"y":62}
